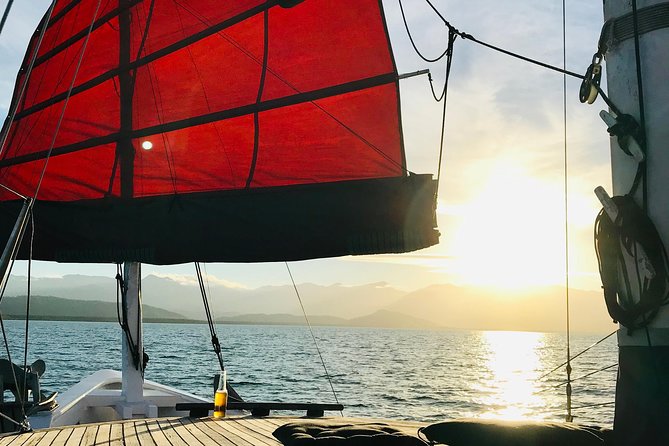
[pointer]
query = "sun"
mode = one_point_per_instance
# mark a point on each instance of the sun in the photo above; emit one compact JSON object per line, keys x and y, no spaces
{"x":511,"y":234}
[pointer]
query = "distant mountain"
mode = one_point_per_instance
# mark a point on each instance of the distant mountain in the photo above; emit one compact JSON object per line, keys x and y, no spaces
{"x":443,"y":305}
{"x":380,"y":319}
{"x":184,"y":297}
{"x":56,"y":308}
{"x":538,"y":309}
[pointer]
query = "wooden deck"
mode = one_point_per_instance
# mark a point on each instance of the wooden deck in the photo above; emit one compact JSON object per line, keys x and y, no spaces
{"x":231,"y":431}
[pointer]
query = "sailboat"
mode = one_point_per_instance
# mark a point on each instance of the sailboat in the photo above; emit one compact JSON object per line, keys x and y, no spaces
{"x":112,"y":155}
{"x":128,"y":142}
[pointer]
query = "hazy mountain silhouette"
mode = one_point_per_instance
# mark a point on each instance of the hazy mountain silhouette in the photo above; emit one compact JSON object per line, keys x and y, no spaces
{"x":374,"y":304}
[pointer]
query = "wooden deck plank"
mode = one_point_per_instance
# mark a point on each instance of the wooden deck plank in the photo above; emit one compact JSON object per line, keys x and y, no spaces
{"x":14,"y":440}
{"x":222,"y":428}
{"x":253,"y":436}
{"x":229,"y":431}
{"x":88,"y":439}
{"x":159,"y":437}
{"x":48,"y":438}
{"x":63,"y":437}
{"x":143,"y":435}
{"x":116,"y":434}
{"x":33,"y":438}
{"x":260,"y":425}
{"x":232,"y":431}
{"x":129,"y":434}
{"x":248,"y":424}
{"x":219,"y":435}
{"x":204,"y":435}
{"x":184,"y":433}
{"x":75,"y":437}
{"x":102,"y":437}
{"x":172,"y":436}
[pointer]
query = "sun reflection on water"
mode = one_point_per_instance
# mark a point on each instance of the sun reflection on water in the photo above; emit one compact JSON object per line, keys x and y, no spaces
{"x":509,"y":386}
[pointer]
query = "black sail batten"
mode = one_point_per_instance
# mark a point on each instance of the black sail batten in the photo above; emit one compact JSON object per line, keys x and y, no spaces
{"x":250,"y":109}
{"x":389,"y":215}
{"x":134,"y":65}
{"x":82,"y":34}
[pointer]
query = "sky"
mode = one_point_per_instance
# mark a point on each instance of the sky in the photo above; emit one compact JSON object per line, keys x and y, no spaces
{"x":501,"y":206}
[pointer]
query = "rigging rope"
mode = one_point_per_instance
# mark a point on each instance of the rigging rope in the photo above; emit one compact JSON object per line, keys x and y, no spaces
{"x":449,"y":60}
{"x":122,"y":317}
{"x":210,"y":320}
{"x":420,"y":54}
{"x":568,"y":369}
{"x":28,"y":295}
{"x":313,"y":336}
{"x":578,"y":354}
{"x":67,"y":98}
{"x":642,"y":112}
{"x":14,"y":106}
{"x":501,"y":50}
{"x":587,"y":375}
{"x":5,"y":15}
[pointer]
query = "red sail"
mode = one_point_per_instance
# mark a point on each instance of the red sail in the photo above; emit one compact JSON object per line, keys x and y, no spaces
{"x":247,"y":127}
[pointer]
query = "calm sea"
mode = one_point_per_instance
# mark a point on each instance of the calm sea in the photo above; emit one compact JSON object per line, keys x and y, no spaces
{"x":410,"y":374}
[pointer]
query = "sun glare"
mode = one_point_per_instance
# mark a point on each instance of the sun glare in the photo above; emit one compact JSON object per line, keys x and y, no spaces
{"x":510,"y":384}
{"x":511,"y":234}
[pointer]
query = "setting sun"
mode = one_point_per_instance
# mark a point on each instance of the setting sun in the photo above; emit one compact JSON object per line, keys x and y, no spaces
{"x":511,"y":233}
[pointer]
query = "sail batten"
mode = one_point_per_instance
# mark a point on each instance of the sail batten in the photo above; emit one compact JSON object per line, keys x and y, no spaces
{"x":186,"y":113}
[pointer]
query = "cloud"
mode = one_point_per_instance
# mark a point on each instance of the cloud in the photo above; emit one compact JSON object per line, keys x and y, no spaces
{"x":188,"y":280}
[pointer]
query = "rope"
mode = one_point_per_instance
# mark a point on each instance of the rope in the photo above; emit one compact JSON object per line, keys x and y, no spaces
{"x":449,"y":59}
{"x":603,"y":369}
{"x":619,"y":243}
{"x":594,"y":405}
{"x":28,"y":295}
{"x":501,"y":50}
{"x":31,"y":64}
{"x":67,"y":99}
{"x":642,"y":112}
{"x":568,"y":369}
{"x":123,"y":316}
{"x":579,"y":354}
{"x":5,"y":15}
{"x":210,"y":320}
{"x":420,"y":54}
{"x":311,"y":330}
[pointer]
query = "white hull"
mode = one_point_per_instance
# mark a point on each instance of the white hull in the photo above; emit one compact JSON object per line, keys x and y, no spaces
{"x":98,"y":398}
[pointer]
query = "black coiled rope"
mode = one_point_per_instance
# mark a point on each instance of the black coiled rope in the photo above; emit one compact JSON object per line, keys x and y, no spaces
{"x":633,"y":297}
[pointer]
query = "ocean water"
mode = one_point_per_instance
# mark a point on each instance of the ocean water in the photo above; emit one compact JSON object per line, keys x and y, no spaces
{"x":424,"y":375}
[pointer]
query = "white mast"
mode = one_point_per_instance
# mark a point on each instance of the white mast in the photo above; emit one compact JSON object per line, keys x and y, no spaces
{"x":642,"y":404}
{"x":132,"y":384}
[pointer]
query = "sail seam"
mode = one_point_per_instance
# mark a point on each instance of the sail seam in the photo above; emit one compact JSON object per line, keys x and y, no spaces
{"x":145,"y":60}
{"x":261,"y":88}
{"x":83,"y":33}
{"x":297,"y":99}
{"x":62,"y":12}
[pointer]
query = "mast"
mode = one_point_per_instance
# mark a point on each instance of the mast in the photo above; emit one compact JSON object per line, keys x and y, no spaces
{"x":132,"y":365}
{"x":641,"y":415}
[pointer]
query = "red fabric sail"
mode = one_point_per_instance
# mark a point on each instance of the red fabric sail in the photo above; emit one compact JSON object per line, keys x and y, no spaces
{"x":230,"y":96}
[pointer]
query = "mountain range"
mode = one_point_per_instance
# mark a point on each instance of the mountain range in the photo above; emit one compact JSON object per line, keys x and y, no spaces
{"x":374,"y":304}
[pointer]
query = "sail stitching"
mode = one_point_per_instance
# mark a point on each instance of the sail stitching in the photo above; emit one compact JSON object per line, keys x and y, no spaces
{"x":62,"y":114}
{"x":261,"y":88}
{"x":146,"y":59}
{"x":290,"y":85}
{"x":83,"y":33}
{"x":21,"y":94}
{"x":212,"y":117}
